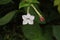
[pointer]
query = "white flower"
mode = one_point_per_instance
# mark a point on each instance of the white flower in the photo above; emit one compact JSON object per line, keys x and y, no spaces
{"x":28,"y":19}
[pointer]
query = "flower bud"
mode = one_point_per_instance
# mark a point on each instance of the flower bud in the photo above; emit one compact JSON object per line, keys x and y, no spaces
{"x":42,"y":19}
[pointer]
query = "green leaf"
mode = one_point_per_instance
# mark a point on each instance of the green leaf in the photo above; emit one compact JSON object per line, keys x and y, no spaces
{"x":56,"y":31}
{"x":4,"y":20}
{"x":48,"y":32}
{"x":59,"y":8}
{"x":4,"y":1}
{"x":23,"y":4}
{"x":27,"y":3}
{"x":57,"y":3}
{"x":33,"y":32}
{"x":32,"y":1}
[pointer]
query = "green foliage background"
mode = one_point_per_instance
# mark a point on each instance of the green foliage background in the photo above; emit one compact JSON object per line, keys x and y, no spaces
{"x":11,"y":27}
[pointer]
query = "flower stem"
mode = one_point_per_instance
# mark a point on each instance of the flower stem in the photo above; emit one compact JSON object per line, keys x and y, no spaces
{"x":36,"y":10}
{"x":28,"y":9}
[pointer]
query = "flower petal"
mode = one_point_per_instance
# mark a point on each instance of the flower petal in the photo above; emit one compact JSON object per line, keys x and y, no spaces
{"x":24,"y":17}
{"x":32,"y":17}
{"x":28,"y":15}
{"x":30,"y":22}
{"x":24,"y":22}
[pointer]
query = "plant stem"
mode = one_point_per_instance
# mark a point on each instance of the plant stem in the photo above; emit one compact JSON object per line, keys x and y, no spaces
{"x":36,"y":10}
{"x":28,"y":9}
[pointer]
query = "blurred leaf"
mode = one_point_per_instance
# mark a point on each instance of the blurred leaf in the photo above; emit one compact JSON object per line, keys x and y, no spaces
{"x":4,"y":1}
{"x":23,"y":4}
{"x":59,"y":8}
{"x":48,"y":32}
{"x":57,"y":3}
{"x":32,"y":1}
{"x":27,"y":3}
{"x":4,"y":20}
{"x":33,"y":32}
{"x":56,"y":31}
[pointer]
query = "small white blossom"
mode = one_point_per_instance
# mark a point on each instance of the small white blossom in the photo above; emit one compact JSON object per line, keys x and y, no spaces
{"x":28,"y":19}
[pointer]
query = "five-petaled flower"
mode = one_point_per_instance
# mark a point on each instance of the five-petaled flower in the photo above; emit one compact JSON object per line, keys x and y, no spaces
{"x":28,"y":19}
